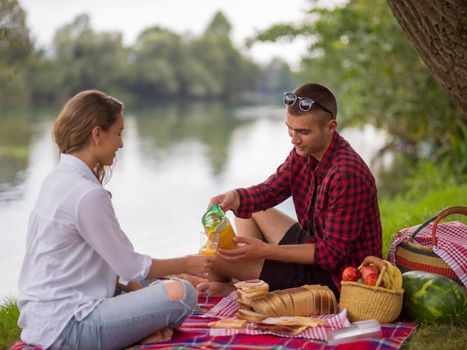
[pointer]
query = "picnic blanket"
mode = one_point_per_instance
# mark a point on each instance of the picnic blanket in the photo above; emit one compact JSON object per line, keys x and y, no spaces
{"x":196,"y":334}
{"x":451,"y":245}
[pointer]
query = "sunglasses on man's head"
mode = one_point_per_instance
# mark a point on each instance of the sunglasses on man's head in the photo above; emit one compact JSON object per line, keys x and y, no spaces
{"x":304,"y":103}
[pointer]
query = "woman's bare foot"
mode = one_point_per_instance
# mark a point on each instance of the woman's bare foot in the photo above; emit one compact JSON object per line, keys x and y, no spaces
{"x":158,"y":336}
{"x":216,"y":288}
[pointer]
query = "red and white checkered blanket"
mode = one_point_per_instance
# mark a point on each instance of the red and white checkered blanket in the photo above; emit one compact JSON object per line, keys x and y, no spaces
{"x":228,"y":307}
{"x":451,"y":244}
{"x":194,"y":333}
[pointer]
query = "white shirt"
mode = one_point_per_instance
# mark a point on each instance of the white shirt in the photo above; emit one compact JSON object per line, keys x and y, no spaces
{"x":75,"y":249}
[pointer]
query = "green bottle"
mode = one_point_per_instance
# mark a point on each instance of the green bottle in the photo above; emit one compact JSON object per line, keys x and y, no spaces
{"x":215,"y":221}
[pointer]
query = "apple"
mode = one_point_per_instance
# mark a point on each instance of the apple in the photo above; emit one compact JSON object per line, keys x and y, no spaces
{"x":371,"y":280}
{"x":369,"y":269}
{"x":350,"y":273}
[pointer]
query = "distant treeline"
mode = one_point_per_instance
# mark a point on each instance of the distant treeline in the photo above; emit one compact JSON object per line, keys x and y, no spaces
{"x":357,"y":49}
{"x":160,"y":64}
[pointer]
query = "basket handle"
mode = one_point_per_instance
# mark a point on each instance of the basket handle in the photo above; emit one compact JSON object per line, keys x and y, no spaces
{"x":437,"y":218}
{"x":442,"y":214}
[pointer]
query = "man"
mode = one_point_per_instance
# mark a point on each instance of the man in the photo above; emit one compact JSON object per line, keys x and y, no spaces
{"x":334,"y":195}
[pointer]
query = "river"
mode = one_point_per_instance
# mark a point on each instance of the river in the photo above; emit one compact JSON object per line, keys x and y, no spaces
{"x":175,"y":158}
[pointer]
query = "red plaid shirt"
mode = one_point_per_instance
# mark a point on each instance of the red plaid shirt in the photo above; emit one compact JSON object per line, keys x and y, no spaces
{"x":343,"y":222}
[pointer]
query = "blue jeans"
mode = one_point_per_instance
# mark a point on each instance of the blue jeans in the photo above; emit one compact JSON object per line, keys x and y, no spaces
{"x":121,"y":321}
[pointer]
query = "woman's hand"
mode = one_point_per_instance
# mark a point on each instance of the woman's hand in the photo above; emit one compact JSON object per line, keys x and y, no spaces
{"x":249,"y":248}
{"x":199,"y":265}
{"x":229,"y":200}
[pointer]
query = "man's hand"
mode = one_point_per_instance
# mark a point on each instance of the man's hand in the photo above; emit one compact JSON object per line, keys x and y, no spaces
{"x":249,"y":248}
{"x":229,"y":200}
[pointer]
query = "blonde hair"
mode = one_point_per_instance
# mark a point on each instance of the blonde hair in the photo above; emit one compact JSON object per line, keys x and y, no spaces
{"x":80,"y":115}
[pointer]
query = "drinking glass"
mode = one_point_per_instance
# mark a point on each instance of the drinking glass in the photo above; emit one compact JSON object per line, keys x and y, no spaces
{"x":208,"y":246}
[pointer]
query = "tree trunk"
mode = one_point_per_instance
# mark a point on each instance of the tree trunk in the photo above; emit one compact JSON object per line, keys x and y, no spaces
{"x":438,"y":31}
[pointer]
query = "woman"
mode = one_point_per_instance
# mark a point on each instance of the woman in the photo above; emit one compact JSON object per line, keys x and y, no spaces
{"x":76,"y":249}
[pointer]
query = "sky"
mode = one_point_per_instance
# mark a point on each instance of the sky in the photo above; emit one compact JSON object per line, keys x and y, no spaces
{"x":130,"y":17}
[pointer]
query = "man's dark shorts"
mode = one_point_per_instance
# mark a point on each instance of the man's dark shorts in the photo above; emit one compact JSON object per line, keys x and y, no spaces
{"x":281,"y":275}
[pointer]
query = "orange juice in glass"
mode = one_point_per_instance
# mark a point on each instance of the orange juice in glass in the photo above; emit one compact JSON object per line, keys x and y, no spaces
{"x":208,"y":246}
{"x":209,"y":243}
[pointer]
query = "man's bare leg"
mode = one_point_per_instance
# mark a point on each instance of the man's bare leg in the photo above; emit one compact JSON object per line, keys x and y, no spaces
{"x":269,"y":225}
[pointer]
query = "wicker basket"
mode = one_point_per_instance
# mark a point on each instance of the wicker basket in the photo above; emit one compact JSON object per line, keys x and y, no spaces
{"x":364,"y":302}
{"x":410,"y":255}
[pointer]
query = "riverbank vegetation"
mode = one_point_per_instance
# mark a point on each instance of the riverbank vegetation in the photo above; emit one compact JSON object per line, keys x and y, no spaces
{"x":161,"y":64}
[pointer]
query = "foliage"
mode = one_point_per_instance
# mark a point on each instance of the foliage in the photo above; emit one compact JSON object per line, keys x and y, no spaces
{"x":9,"y":331}
{"x":160,"y":64}
{"x":359,"y":50}
{"x":15,"y":51}
{"x":85,"y":59}
{"x":230,"y":72}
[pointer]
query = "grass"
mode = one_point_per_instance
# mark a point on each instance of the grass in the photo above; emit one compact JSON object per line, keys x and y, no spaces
{"x":396,"y":214}
{"x":436,"y":337}
{"x":403,"y":212}
{"x":9,"y":331}
{"x":400,"y":212}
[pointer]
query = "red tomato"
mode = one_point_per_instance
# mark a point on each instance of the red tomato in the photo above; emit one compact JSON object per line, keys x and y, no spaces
{"x":351,"y":274}
{"x":369,"y":269}
{"x":371,"y":280}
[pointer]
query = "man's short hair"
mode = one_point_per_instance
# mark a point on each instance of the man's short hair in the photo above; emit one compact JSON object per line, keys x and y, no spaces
{"x":318,"y":93}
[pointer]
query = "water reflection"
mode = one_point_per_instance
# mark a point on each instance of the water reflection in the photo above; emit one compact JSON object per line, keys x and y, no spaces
{"x":15,"y":138}
{"x":175,"y":158}
{"x":165,"y":129}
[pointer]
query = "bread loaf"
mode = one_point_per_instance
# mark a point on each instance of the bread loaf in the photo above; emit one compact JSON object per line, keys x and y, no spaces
{"x":307,"y":300}
{"x":248,"y":290}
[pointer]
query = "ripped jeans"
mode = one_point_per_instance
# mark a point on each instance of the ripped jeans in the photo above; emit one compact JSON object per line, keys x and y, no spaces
{"x":121,"y":321}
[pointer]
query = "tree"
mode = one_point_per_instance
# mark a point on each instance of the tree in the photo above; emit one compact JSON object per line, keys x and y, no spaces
{"x":154,"y":61}
{"x":15,"y":44}
{"x":438,"y":31}
{"x":276,"y":77}
{"x":85,"y":59}
{"x":359,"y":50}
{"x":231,"y":72}
{"x":15,"y":50}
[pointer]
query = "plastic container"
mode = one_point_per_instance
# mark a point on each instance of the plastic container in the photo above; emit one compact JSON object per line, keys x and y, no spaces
{"x":357,"y":330}
{"x":215,"y":221}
